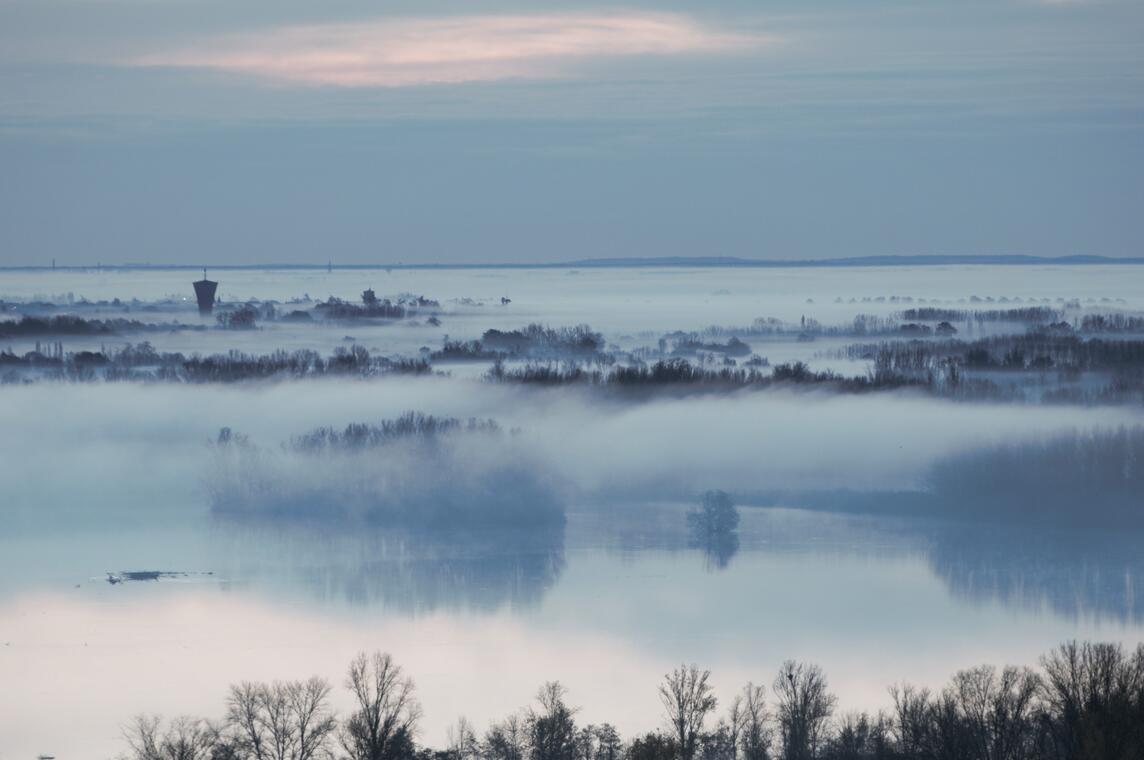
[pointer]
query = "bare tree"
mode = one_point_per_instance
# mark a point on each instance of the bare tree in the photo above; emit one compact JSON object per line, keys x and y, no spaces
{"x":314,"y":723}
{"x":586,"y":743}
{"x":184,"y":738}
{"x":735,"y":718}
{"x":912,"y":723}
{"x":997,"y":710}
{"x":687,"y":700}
{"x":383,"y":725}
{"x":1095,"y":697}
{"x":608,"y":743}
{"x":507,"y":740}
{"x":462,"y":740}
{"x":552,"y":729}
{"x":755,"y":731}
{"x":804,"y":707}
{"x":244,"y":714}
{"x":282,"y":721}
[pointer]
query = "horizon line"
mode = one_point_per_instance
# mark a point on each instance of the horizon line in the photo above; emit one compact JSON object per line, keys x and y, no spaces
{"x":632,"y":262}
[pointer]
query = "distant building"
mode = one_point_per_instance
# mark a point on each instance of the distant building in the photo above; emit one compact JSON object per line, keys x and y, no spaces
{"x":205,"y":293}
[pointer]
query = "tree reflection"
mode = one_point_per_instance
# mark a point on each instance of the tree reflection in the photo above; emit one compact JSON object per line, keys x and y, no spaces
{"x":1075,"y":574}
{"x":409,"y":571}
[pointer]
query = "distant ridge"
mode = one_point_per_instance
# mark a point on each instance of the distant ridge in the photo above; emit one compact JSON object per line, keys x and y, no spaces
{"x":856,"y":261}
{"x":660,"y":261}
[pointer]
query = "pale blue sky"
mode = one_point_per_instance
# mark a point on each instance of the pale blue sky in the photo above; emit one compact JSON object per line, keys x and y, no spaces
{"x":180,"y":131}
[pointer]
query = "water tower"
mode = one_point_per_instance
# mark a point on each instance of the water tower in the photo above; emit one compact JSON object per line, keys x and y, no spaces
{"x":205,"y":293}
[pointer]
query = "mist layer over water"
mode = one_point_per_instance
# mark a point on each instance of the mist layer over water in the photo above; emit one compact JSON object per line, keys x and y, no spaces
{"x":106,"y":477}
{"x":127,"y":449}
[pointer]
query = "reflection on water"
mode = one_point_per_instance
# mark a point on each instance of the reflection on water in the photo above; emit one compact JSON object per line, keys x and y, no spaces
{"x":1092,"y":575}
{"x":717,"y":550}
{"x":1076,"y":574}
{"x":399,"y":570}
{"x":607,"y":606}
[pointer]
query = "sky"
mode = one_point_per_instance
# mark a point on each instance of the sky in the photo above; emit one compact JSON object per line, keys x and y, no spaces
{"x":287,"y":131}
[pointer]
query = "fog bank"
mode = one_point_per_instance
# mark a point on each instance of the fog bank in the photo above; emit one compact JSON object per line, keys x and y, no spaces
{"x":148,"y":448}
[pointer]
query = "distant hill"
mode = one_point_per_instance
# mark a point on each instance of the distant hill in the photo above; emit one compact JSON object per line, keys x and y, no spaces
{"x":857,"y":261}
{"x":665,"y":261}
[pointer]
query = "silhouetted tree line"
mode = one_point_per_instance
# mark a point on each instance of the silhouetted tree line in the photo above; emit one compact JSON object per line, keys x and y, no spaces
{"x":1032,"y":315}
{"x":142,"y":363}
{"x":244,"y":317}
{"x":464,"y":350}
{"x":71,"y":325}
{"x":976,"y":369}
{"x":373,"y":307}
{"x":337,"y":309}
{"x":410,"y":425}
{"x":536,"y":339}
{"x":1084,"y":702}
{"x":1111,"y":323}
{"x":682,"y":374}
{"x":1038,"y":350}
{"x":910,"y":322}
{"x":689,"y":344}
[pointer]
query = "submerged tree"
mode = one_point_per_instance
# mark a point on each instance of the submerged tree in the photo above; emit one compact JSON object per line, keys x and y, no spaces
{"x":713,"y":528}
{"x":716,"y":515}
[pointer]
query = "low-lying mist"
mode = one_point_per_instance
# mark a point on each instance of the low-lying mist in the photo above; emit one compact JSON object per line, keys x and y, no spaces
{"x":149,"y":449}
{"x":415,"y":470}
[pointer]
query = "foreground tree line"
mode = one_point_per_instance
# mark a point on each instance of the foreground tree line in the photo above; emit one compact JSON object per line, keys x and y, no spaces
{"x":1085,"y":702}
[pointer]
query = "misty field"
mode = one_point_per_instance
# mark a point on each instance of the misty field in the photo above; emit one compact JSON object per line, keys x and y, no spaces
{"x":510,"y":476}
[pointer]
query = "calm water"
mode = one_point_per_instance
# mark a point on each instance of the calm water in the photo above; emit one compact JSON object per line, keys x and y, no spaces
{"x":107,"y":478}
{"x":607,"y":607}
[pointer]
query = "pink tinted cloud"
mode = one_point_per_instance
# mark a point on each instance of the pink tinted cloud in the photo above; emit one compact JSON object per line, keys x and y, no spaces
{"x":410,"y":51}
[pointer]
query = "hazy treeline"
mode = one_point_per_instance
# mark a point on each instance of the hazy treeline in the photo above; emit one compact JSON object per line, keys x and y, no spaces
{"x":1094,"y":477}
{"x":1035,"y":350}
{"x":1085,"y":701}
{"x":1053,"y":362}
{"x":1091,"y":479}
{"x":247,"y":315}
{"x":357,"y":436}
{"x":1028,"y":315}
{"x":1049,"y":365}
{"x":416,"y":470}
{"x":907,"y":322}
{"x":920,"y":322}
{"x":373,"y":307}
{"x":682,"y":374}
{"x":142,"y":363}
{"x":71,"y":325}
{"x":532,"y":341}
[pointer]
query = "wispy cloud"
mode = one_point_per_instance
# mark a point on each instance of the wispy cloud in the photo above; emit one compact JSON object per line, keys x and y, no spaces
{"x":411,"y":51}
